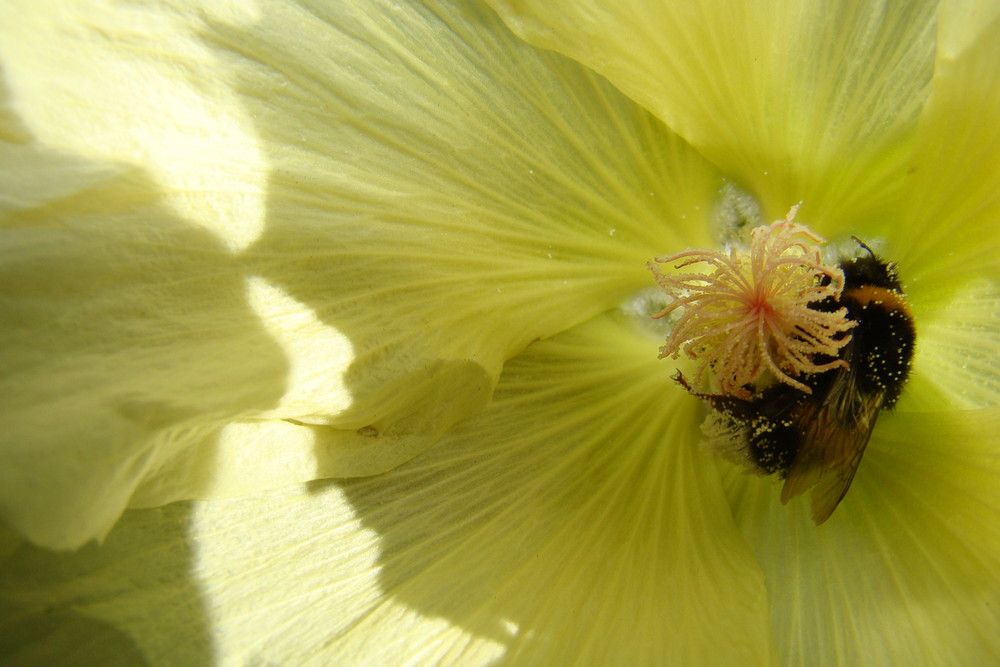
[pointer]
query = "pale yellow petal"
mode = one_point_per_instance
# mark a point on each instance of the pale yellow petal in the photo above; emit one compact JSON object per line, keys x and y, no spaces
{"x":131,"y":601}
{"x":126,"y":336}
{"x":797,"y":100}
{"x":574,"y":521}
{"x":950,"y":210}
{"x":346,"y":216}
{"x":451,"y":194}
{"x":907,"y":571}
{"x":948,"y":231}
{"x":136,"y":177}
{"x":957,"y":362}
{"x":245,"y":458}
{"x":129,"y":88}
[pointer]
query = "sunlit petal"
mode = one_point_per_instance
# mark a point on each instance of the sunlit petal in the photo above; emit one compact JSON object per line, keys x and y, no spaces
{"x":127,"y":88}
{"x":249,"y":457}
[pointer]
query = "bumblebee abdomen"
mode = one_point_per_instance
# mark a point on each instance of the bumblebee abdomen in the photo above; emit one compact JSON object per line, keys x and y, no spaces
{"x":882,"y":342}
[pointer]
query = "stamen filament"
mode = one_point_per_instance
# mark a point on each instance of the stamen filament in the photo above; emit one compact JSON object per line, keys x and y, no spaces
{"x":749,"y":314}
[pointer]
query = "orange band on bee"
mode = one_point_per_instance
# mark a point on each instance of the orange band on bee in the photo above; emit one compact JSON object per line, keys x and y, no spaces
{"x":869,"y":294}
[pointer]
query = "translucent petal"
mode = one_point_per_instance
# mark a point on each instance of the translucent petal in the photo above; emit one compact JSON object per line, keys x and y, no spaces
{"x":957,"y":362}
{"x":346,"y":215}
{"x":951,"y":206}
{"x":480,"y":196}
{"x":131,"y":601}
{"x":797,"y":100}
{"x":107,"y":89}
{"x":126,"y":336}
{"x":249,"y":457}
{"x":907,"y":571}
{"x":575,"y":520}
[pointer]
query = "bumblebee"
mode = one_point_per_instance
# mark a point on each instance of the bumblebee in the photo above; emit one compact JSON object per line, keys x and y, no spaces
{"x":816,"y":440}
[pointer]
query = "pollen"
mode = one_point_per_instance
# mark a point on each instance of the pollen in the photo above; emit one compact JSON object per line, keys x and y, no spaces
{"x":756,"y":315}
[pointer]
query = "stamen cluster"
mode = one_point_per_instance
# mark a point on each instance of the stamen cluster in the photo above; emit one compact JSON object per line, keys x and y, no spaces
{"x":748,"y":317}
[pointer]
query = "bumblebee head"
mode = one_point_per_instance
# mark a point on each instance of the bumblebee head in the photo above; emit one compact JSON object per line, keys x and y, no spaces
{"x":870,"y":270}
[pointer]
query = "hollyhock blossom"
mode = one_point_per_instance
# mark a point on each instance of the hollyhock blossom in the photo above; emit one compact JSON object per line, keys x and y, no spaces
{"x":326,"y":335}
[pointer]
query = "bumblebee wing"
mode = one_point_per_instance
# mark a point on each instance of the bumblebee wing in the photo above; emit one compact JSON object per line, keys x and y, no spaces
{"x":833,"y":486}
{"x":834,"y":437}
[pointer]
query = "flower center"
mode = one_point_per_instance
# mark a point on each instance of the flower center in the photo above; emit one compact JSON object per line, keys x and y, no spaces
{"x":760,"y":305}
{"x":759,"y":314}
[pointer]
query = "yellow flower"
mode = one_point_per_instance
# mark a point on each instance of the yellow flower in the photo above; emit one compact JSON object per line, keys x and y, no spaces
{"x":248,"y":246}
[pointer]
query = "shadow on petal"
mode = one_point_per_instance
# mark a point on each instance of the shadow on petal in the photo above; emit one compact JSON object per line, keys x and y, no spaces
{"x":128,"y":340}
{"x":573,"y":520}
{"x":906,"y":569}
{"x":130,"y":601}
{"x":442,"y":195}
